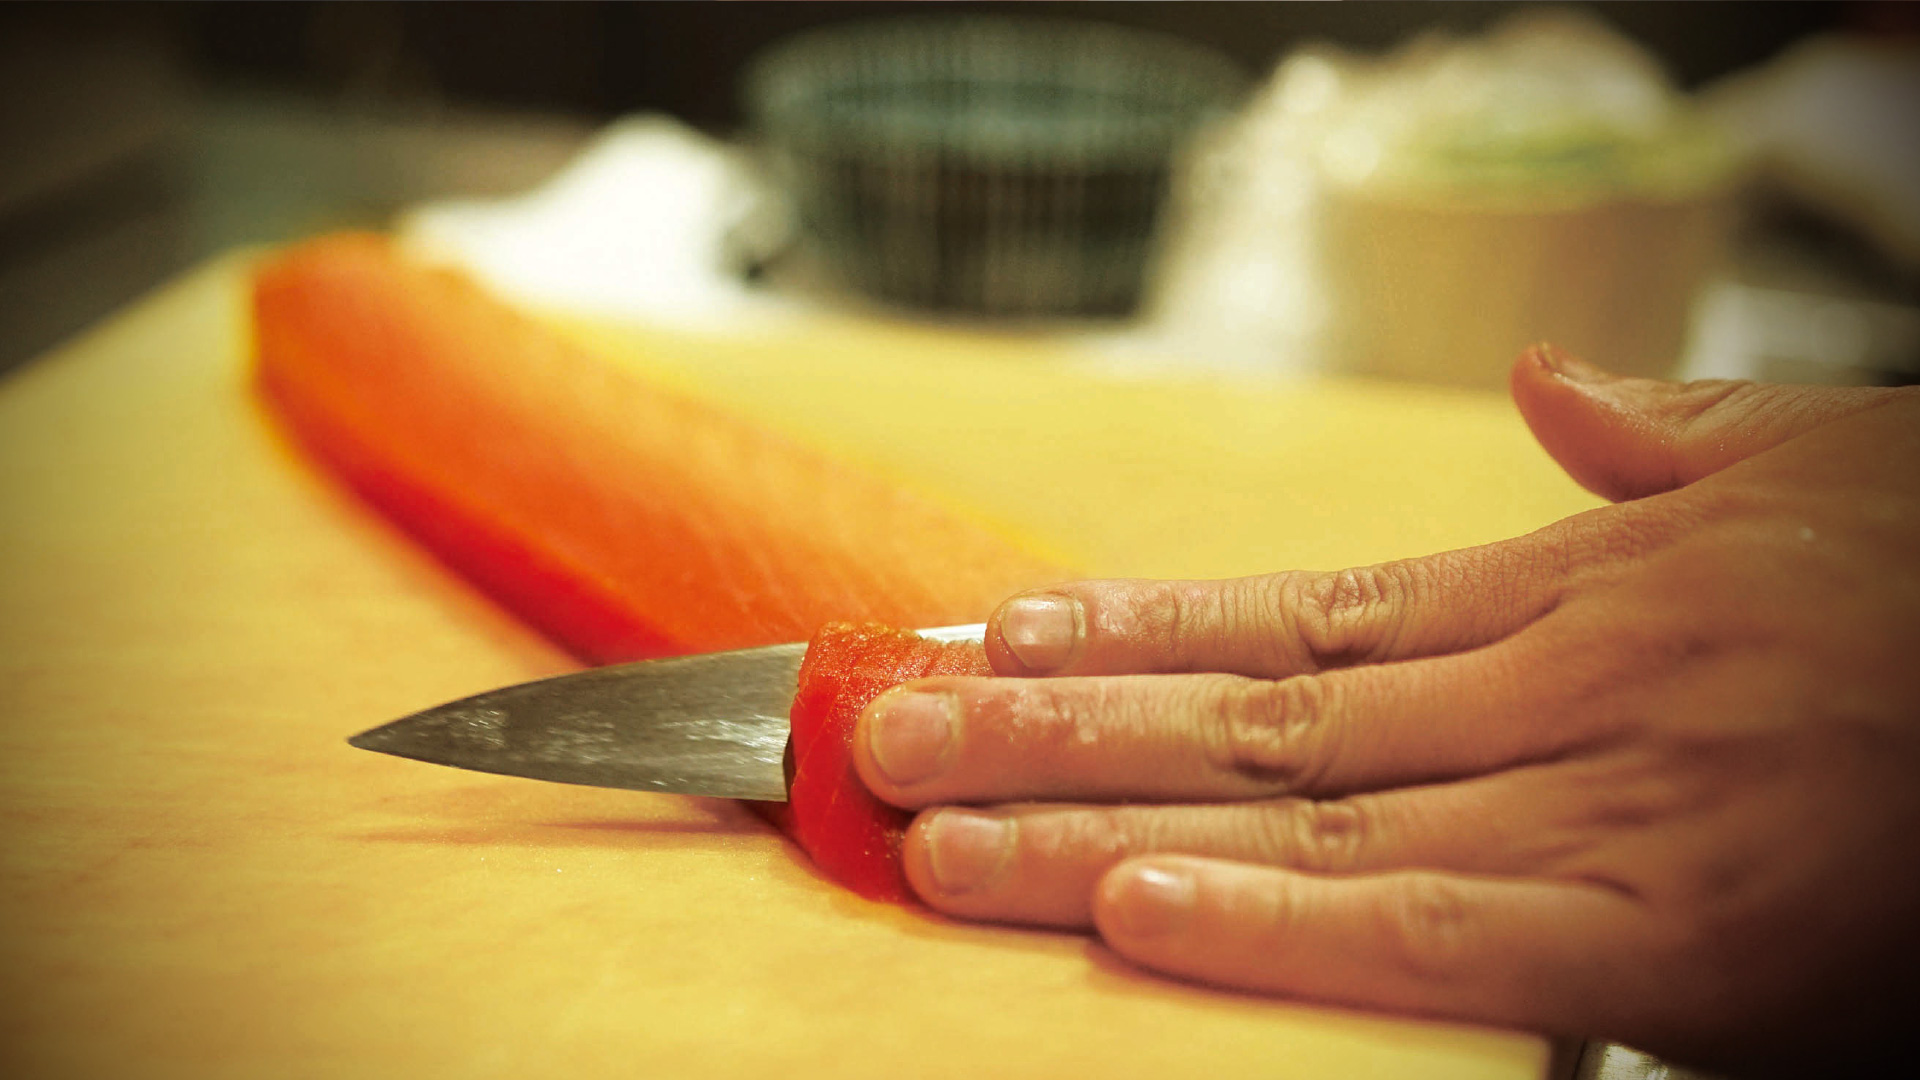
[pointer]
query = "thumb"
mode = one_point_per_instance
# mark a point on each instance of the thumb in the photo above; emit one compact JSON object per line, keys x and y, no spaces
{"x":1624,"y":438}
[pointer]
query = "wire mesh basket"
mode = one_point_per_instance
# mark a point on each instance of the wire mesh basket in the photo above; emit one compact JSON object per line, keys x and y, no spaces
{"x":984,"y":165}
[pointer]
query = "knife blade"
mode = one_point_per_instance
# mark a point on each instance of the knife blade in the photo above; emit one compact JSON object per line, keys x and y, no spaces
{"x":709,"y":724}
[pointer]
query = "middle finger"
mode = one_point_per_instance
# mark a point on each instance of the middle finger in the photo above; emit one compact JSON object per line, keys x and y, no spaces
{"x":1198,"y":738}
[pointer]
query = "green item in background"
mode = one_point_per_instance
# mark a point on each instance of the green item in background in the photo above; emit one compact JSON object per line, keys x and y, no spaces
{"x":982,"y":165}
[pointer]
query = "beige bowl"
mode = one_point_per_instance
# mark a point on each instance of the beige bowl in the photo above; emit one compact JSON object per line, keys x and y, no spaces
{"x":1449,"y":291}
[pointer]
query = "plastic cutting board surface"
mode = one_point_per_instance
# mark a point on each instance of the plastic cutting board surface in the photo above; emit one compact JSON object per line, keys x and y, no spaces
{"x":202,"y":879}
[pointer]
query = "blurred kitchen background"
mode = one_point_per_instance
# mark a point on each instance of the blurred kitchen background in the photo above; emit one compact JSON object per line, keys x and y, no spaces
{"x":1404,"y":190}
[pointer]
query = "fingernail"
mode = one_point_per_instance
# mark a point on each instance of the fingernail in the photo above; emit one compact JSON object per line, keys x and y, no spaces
{"x":1568,"y":366}
{"x":966,"y":850}
{"x":1040,"y":630}
{"x":1152,"y":901}
{"x":909,"y":734}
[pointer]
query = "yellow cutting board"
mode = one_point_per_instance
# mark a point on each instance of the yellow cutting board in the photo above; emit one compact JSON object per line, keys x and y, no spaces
{"x":202,"y":879}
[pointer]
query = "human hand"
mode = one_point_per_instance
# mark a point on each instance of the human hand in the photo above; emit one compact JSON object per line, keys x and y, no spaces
{"x":1651,"y":773}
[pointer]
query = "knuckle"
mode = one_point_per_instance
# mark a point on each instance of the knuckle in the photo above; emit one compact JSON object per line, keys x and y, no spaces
{"x":1165,"y":619}
{"x":1427,"y":925}
{"x":1197,"y":618}
{"x":1325,"y":837}
{"x":1350,"y":615}
{"x":1269,"y":731}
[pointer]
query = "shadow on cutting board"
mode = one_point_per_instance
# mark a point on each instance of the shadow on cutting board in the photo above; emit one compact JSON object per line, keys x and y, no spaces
{"x":526,"y":814}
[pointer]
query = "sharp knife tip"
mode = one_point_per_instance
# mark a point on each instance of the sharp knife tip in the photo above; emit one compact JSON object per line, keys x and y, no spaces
{"x":370,"y":739}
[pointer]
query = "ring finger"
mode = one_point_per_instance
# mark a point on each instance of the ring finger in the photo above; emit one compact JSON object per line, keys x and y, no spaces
{"x":1039,"y":863}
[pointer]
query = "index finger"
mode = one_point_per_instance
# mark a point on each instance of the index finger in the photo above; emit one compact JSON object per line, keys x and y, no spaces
{"x":1290,"y":623}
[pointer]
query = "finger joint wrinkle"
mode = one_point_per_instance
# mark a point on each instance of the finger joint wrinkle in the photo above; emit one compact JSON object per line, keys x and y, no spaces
{"x":1266,"y":730}
{"x":1199,"y":619}
{"x":1326,"y":836}
{"x":1353,"y":614}
{"x":1427,"y":924}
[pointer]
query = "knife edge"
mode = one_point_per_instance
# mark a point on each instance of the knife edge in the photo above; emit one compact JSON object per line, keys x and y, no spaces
{"x":708,"y":724}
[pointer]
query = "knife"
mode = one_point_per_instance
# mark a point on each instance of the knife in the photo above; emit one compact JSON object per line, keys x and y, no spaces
{"x":710,"y":724}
